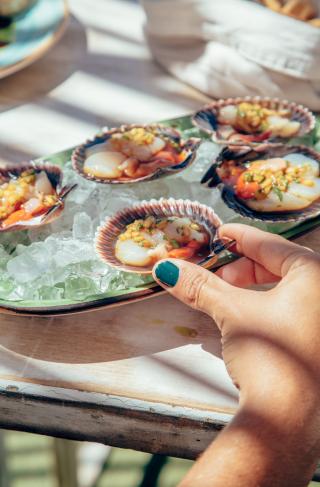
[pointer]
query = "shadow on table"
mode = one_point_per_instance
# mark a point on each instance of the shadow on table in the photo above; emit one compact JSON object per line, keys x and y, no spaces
{"x":136,"y":78}
{"x":47,"y":73}
{"x":139,"y":79}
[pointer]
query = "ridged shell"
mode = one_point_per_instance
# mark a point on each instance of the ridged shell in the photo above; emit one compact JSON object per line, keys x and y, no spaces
{"x":110,"y":230}
{"x":206,"y":118}
{"x":190,"y":146}
{"x":55,"y":175}
{"x":211,"y":179}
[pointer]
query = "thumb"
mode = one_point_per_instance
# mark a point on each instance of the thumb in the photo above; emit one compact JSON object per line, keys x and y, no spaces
{"x":198,"y":288}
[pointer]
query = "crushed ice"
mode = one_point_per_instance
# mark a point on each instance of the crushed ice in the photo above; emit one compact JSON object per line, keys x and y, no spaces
{"x":58,"y":261}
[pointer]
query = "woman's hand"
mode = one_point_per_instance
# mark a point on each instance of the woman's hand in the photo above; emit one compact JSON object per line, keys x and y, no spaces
{"x":271,"y":347}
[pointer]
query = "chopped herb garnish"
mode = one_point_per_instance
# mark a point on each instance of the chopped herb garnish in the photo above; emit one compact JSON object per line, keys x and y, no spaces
{"x":248,"y":177}
{"x":175,"y":244}
{"x":276,"y":190}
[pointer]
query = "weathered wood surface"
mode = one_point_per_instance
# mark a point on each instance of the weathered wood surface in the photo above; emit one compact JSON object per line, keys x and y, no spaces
{"x":148,"y":376}
{"x":122,"y":422}
{"x":156,"y":350}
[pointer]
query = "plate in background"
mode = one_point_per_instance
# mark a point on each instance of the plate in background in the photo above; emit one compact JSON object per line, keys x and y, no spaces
{"x":35,"y":32}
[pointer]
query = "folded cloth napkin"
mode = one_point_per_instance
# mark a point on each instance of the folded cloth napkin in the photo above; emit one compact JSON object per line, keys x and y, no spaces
{"x":235,"y":48}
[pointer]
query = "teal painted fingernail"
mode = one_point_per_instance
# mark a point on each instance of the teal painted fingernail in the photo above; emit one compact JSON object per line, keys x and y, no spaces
{"x":168,"y":273}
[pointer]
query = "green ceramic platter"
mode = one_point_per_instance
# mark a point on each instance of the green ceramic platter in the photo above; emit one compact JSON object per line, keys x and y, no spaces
{"x":64,"y":306}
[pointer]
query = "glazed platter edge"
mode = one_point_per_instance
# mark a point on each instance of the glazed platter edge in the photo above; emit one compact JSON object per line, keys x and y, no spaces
{"x":117,"y":298}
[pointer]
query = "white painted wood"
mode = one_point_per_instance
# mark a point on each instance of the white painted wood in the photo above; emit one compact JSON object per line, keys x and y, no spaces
{"x":129,"y":426}
{"x":17,"y":390}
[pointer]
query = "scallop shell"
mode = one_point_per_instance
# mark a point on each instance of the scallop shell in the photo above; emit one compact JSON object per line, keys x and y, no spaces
{"x":55,"y":175}
{"x":190,"y":146}
{"x":110,"y":230}
{"x":211,"y":179}
{"x":206,"y":118}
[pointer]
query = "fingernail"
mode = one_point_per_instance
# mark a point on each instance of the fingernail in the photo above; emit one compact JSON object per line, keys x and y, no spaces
{"x":168,"y":273}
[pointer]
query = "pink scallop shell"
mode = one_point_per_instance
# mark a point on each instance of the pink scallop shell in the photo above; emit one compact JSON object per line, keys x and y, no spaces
{"x":79,"y":154}
{"x":205,"y":118}
{"x":55,"y":175}
{"x":211,"y":179}
{"x":109,"y":231}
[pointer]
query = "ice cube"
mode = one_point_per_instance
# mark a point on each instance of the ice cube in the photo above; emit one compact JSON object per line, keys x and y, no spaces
{"x":48,"y":293}
{"x":79,"y":288}
{"x":82,"y":193}
{"x":4,"y":257}
{"x":10,"y":240}
{"x":30,"y":263}
{"x":120,"y":198}
{"x":20,"y":249}
{"x":206,"y":155}
{"x":135,"y":280}
{"x":39,"y":234}
{"x":58,"y":261}
{"x":72,"y":251}
{"x":178,"y":188}
{"x":82,"y":226}
{"x":7,"y":285}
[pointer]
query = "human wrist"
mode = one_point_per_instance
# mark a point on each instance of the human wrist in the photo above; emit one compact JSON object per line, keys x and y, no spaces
{"x":283,"y":442}
{"x":288,"y":401}
{"x":274,"y":377}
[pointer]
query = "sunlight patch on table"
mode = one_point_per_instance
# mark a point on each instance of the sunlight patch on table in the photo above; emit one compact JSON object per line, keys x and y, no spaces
{"x":119,"y":101}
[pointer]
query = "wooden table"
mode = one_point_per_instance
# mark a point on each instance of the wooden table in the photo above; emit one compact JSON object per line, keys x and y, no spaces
{"x":147,"y":376}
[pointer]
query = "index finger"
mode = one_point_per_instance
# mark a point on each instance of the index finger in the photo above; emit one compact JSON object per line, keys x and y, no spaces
{"x":274,"y":253}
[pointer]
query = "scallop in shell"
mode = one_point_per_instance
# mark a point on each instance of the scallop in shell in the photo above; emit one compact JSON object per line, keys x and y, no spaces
{"x":31,"y":195}
{"x":253,"y":120}
{"x":107,"y":237}
{"x":113,"y":156}
{"x":293,"y":197}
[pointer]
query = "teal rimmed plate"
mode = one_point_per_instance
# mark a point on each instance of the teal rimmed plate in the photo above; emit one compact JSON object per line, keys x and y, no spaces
{"x":33,"y":34}
{"x":133,"y":294}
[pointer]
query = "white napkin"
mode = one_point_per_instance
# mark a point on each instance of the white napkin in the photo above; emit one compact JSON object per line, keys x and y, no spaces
{"x":235,"y":48}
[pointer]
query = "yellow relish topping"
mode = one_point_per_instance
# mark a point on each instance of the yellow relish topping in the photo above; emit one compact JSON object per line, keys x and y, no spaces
{"x":15,"y":192}
{"x":269,"y":180}
{"x":254,"y":117}
{"x":137,"y":230}
{"x":138,"y":135}
{"x":141,"y":231}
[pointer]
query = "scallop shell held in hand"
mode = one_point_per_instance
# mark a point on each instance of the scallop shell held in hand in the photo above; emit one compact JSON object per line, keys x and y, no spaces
{"x":108,"y":233}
